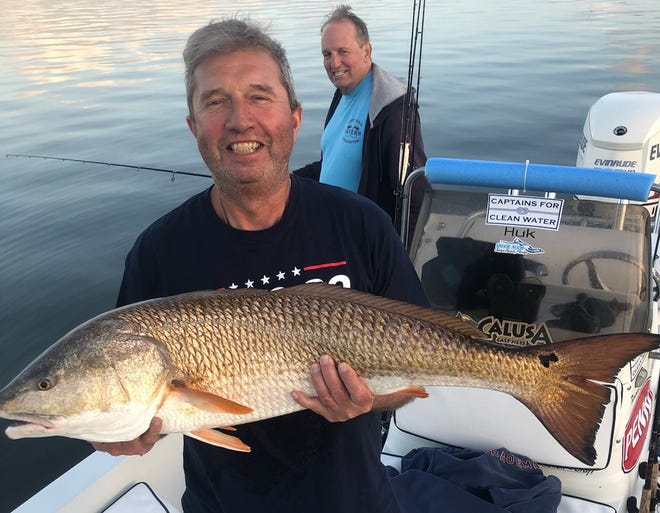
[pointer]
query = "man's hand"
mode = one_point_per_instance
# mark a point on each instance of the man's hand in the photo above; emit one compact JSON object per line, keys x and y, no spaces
{"x":340,"y":393}
{"x":140,"y":446}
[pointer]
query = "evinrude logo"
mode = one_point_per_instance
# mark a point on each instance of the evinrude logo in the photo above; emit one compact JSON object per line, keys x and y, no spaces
{"x":637,"y":427}
{"x":615,"y":163}
{"x":655,"y":152}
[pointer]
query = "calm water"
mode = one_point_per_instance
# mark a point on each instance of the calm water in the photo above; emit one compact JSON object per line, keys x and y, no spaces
{"x":507,"y":80}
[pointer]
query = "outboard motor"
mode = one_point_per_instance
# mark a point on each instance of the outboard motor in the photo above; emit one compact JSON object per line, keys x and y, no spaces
{"x":622,"y":132}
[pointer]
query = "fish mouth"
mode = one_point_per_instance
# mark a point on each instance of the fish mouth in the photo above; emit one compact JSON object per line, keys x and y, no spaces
{"x":30,"y":425}
{"x":27,"y":420}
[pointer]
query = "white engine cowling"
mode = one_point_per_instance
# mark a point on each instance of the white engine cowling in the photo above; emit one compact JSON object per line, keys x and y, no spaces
{"x":622,"y":132}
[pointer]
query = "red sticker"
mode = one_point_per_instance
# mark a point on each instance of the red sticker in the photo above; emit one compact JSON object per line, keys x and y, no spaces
{"x":637,"y":427}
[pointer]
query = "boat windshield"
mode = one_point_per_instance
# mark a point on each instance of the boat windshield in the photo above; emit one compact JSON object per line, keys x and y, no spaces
{"x":534,"y":268}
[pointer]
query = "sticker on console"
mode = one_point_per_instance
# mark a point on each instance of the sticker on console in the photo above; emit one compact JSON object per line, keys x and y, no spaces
{"x":637,"y":428}
{"x":529,"y":211}
{"x":509,"y":332}
{"x":517,"y":246}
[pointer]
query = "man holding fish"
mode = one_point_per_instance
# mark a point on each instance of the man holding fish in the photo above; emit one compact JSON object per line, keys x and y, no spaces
{"x":260,"y":227}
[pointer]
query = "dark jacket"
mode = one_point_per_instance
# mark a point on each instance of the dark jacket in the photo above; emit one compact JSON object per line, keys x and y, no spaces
{"x":382,"y":143}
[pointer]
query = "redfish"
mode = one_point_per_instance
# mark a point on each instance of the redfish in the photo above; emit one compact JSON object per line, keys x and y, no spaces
{"x":217,"y":359}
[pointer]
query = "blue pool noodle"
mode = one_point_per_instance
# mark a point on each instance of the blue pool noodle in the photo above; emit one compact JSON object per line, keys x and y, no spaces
{"x":540,"y":177}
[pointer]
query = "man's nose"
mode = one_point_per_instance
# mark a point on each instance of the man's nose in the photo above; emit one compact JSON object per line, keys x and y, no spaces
{"x":335,"y":61}
{"x":240,"y":116}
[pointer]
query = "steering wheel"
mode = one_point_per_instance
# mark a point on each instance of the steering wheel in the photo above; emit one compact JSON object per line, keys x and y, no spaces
{"x":594,"y":278}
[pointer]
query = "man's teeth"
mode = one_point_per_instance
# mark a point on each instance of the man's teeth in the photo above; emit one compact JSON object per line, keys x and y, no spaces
{"x":339,"y":73}
{"x":244,"y":147}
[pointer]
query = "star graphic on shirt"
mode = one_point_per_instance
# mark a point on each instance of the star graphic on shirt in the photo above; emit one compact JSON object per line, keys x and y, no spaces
{"x":265,"y":280}
{"x":233,"y":286}
{"x":296,"y":271}
{"x":249,"y":284}
{"x":280,"y":275}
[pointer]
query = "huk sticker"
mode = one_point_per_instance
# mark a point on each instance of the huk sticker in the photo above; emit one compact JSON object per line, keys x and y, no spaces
{"x":517,"y":246}
{"x":528,"y":211}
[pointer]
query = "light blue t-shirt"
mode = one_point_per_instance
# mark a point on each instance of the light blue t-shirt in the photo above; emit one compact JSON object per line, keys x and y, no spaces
{"x":341,"y":142}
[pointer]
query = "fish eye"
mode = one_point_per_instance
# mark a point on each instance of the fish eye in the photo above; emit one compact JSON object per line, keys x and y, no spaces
{"x":45,"y":384}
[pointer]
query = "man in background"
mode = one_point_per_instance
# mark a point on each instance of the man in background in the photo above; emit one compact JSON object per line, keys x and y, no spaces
{"x":361,"y":142}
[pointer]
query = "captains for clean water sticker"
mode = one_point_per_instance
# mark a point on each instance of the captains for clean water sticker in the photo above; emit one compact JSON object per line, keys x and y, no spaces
{"x":530,"y":211}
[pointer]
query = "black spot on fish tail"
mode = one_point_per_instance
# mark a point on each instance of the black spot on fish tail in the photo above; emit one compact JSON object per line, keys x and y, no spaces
{"x":572,"y":399}
{"x":546,"y":359}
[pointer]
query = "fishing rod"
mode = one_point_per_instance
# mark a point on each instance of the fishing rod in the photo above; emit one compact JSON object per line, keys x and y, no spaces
{"x":414,"y":95}
{"x":408,"y":124}
{"x":111,"y":164}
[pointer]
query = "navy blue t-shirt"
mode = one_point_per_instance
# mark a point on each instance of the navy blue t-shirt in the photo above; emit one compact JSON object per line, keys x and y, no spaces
{"x":299,"y":462}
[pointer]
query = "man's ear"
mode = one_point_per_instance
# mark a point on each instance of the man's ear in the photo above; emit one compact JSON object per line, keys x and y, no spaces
{"x":191,"y":124}
{"x":297,"y":121}
{"x":367,"y":50}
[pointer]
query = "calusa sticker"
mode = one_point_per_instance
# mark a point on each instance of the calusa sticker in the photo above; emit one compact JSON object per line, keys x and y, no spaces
{"x":517,"y":246}
{"x":637,"y":427}
{"x":508,"y":332}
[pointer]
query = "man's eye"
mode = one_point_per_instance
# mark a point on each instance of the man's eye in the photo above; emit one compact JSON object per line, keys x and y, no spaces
{"x":260,"y":98}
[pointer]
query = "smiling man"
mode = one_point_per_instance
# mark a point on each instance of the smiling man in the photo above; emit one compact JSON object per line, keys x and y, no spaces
{"x":259,"y":226}
{"x":245,"y":126}
{"x":361,"y":140}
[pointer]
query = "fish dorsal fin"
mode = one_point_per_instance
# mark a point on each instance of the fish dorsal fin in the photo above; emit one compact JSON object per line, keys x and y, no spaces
{"x":207,"y":401}
{"x":440,"y":319}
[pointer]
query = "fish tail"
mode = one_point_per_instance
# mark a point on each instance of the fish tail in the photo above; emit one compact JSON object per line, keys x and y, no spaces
{"x":569,"y":403}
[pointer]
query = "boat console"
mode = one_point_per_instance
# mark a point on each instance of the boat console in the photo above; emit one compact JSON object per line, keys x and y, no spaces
{"x":532,"y":255}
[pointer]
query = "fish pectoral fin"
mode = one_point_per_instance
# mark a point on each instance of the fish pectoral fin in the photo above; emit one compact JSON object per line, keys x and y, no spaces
{"x":208,"y":401}
{"x":213,"y":437}
{"x":415,"y":391}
